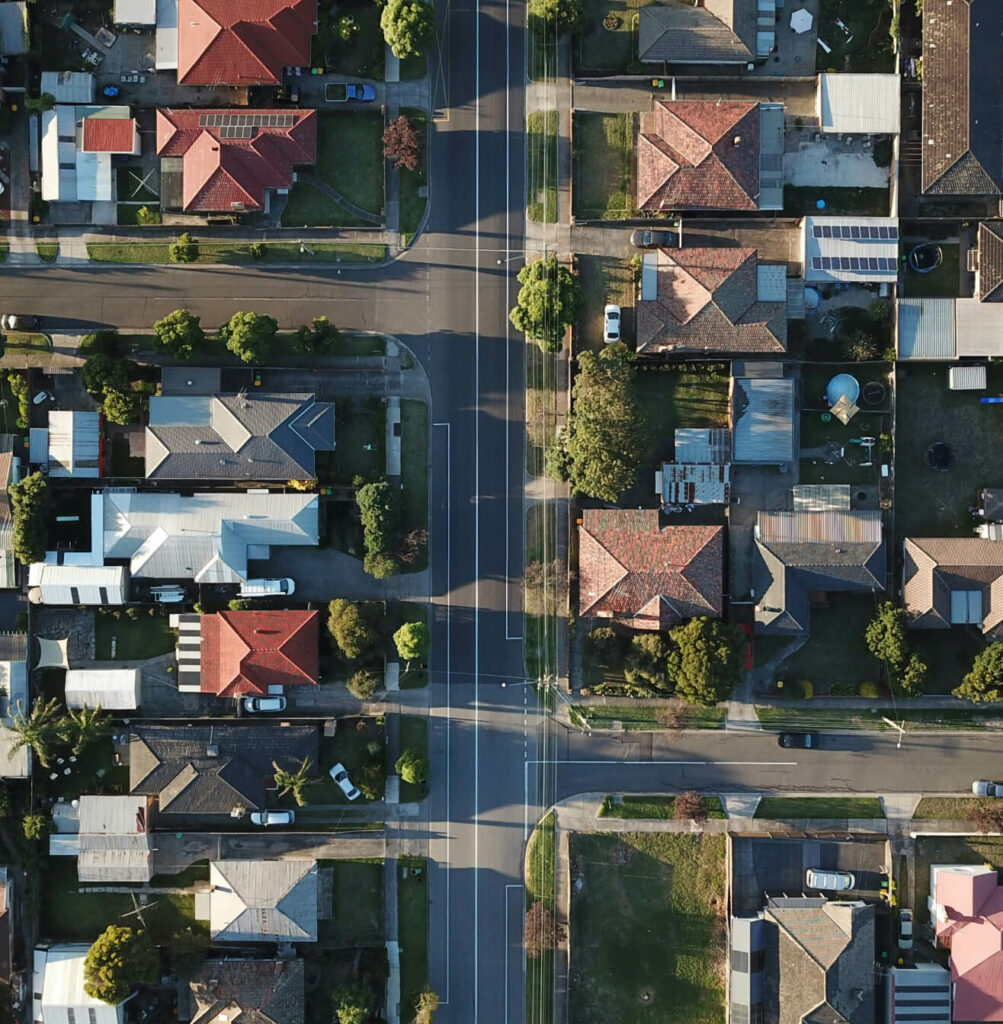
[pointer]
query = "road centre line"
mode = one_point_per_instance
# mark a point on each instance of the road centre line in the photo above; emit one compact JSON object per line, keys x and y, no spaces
{"x":477,"y":496}
{"x":661,"y":764}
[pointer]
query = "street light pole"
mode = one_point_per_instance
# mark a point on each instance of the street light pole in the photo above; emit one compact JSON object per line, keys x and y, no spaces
{"x":900,"y":727}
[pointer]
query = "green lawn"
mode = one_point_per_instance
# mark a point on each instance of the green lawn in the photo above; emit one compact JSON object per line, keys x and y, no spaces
{"x":18,"y":344}
{"x":654,"y":807}
{"x":603,"y":162}
{"x":948,"y":653}
{"x":135,"y":639}
{"x":234,"y":253}
{"x":361,"y":56}
{"x":412,"y":928}
{"x":604,"y":279}
{"x":944,"y":282}
{"x":801,"y":200}
{"x":781,"y":808}
{"x":540,"y":989}
{"x":350,"y":159}
{"x":414,"y":183}
{"x":413,"y":733}
{"x":414,"y":472}
{"x":951,"y":850}
{"x":47,"y":251}
{"x":944,"y":808}
{"x":648,"y":926}
{"x":541,"y":403}
{"x":869,"y":49}
{"x":803,"y":716}
{"x":542,"y":45}
{"x":350,"y":746}
{"x":358,"y":903}
{"x":642,"y":717}
{"x":540,"y":854}
{"x":602,"y":49}
{"x":361,"y":431}
{"x":541,"y":166}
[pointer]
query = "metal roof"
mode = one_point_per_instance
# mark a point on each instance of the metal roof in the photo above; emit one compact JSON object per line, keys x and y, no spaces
{"x":926,"y":329}
{"x":771,"y":157}
{"x":69,"y":86}
{"x":258,"y":900}
{"x":771,"y":282}
{"x":58,"y":988}
{"x":78,"y":584}
{"x":74,"y":444}
{"x":135,"y":12}
{"x":115,"y":689}
{"x":762,"y":420}
{"x":696,"y":483}
{"x":979,"y":328}
{"x":859,"y":104}
{"x":820,"y":497}
{"x":702,"y":444}
{"x":833,"y":526}
{"x":855,"y":249}
{"x":13,"y":28}
{"x":966,"y":378}
{"x":13,"y":693}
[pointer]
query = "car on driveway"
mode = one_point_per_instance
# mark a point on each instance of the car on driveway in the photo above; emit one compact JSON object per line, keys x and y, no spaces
{"x":18,"y":322}
{"x":270,"y":818}
{"x":905,"y":929}
{"x":982,"y":787}
{"x":801,"y":740}
{"x":342,"y":92}
{"x":645,"y":239}
{"x":611,"y":324}
{"x":834,"y":881}
{"x":254,"y":705}
{"x":339,"y":773}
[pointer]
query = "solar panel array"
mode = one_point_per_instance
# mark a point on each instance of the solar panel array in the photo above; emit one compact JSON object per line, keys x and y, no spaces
{"x":246,"y":121}
{"x":859,"y":232}
{"x":860,"y":263}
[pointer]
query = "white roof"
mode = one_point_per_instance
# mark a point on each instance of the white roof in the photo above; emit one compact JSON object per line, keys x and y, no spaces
{"x":59,"y":977}
{"x":135,"y":12}
{"x":59,"y":154}
{"x":979,"y":328}
{"x":926,"y":329}
{"x":771,"y":282}
{"x":78,"y":584}
{"x":13,"y":691}
{"x":115,"y":689}
{"x":167,"y":35}
{"x":966,"y":378}
{"x":74,"y":444}
{"x":69,"y":86}
{"x":854,"y":249}
{"x":13,"y":28}
{"x":859,"y":104}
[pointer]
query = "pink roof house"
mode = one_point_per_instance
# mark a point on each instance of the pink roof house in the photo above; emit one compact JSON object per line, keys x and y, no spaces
{"x":966,"y":904}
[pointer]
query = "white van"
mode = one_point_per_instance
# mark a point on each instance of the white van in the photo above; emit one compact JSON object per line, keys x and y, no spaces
{"x":836,"y":881}
{"x":268,"y":588}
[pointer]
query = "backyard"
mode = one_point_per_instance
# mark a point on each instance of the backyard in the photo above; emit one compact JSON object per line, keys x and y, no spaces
{"x":125,"y":639}
{"x":803,"y":199}
{"x":603,"y":166}
{"x":604,"y":279}
{"x":357,"y":903}
{"x":614,"y":48}
{"x":865,"y":46}
{"x":360,"y":55}
{"x":942,"y":282}
{"x":647,"y":927}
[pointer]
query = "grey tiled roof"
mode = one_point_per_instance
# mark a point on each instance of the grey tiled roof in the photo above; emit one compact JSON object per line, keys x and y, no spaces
{"x":991,"y":261}
{"x":720,"y":32}
{"x":248,"y":992}
{"x":259,"y":900}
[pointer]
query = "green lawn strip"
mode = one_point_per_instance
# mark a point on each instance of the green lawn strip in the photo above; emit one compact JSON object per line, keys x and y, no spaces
{"x":414,"y":472}
{"x":929,"y":850}
{"x":603,"y":162}
{"x":361,"y":344}
{"x":640,"y":716}
{"x":235,"y":253}
{"x":648,"y":919}
{"x":540,"y":988}
{"x":604,"y":279}
{"x":542,"y":49}
{"x":610,"y":49}
{"x":541,"y":407}
{"x":944,"y":808}
{"x":658,"y":807}
{"x":943,"y":282}
{"x":540,"y":853}
{"x":413,"y":732}
{"x":803,"y":199}
{"x":541,"y":530}
{"x":780,"y":808}
{"x":412,"y":202}
{"x":47,"y":251}
{"x":541,"y":166}
{"x":356,"y":914}
{"x":412,"y":929}
{"x":4,"y":250}
{"x":540,"y":618}
{"x":144,"y":637}
{"x":415,"y":677}
{"x":18,"y":343}
{"x":348,"y":746}
{"x":803,"y":716}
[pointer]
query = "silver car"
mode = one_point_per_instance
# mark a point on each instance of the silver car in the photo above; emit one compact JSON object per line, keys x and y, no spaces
{"x":339,"y":773}
{"x":611,"y":324}
{"x":836,"y":881}
{"x":269,"y":818}
{"x":982,"y":787}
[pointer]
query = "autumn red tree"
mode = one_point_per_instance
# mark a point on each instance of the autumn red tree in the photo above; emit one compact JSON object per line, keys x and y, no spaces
{"x":689,"y":807}
{"x":986,"y":816}
{"x":402,"y":143}
{"x":542,"y":930}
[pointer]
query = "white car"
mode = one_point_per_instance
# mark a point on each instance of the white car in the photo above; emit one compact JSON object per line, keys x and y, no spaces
{"x":982,"y":787}
{"x":339,"y":773}
{"x":18,"y":322}
{"x":836,"y":881}
{"x":905,"y":929}
{"x":268,"y":588}
{"x":255,"y":704}
{"x":611,"y":324}
{"x":267,"y":818}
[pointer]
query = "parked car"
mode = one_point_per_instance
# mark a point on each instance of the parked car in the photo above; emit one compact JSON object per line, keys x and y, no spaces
{"x":836,"y":881}
{"x":339,"y":773}
{"x":982,"y":787}
{"x":611,"y":324}
{"x":645,"y":239}
{"x":256,"y":704}
{"x":18,"y":322}
{"x":905,"y":929}
{"x":268,"y":588}
{"x":802,"y":740}
{"x":269,"y":818}
{"x":342,"y":92}
{"x":42,"y":397}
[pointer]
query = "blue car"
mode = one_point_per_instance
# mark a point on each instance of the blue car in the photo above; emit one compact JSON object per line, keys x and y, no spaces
{"x":363,"y":93}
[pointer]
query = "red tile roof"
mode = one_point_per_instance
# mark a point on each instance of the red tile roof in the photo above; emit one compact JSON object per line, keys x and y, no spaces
{"x":698,"y":154}
{"x":242,"y":42}
{"x":219,"y":172}
{"x":109,"y":134}
{"x":246,"y":652}
{"x":652,"y":576}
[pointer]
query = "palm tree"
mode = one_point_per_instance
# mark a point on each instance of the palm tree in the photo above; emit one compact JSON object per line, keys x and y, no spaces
{"x":84,"y":727}
{"x":40,"y":729}
{"x":294,"y":782}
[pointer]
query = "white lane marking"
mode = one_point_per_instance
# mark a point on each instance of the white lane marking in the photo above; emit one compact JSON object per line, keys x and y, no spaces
{"x":507,"y":887}
{"x":661,"y":764}
{"x":477,"y":497}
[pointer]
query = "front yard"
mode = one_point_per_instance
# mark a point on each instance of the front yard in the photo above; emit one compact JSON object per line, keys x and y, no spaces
{"x":360,"y":745}
{"x":412,"y":928}
{"x":648,"y":928}
{"x":614,"y":48}
{"x":357,"y":903}
{"x":604,"y":279}
{"x":603,"y":166}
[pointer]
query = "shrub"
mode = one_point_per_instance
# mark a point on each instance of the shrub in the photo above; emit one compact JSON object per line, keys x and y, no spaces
{"x":542,"y":930}
{"x":29,"y":499}
{"x":402,"y":143}
{"x":605,"y":647}
{"x":807,"y":689}
{"x":869,"y":690}
{"x":412,"y":766}
{"x":363,"y":684}
{"x":184,"y":250}
{"x":36,"y":826}
{"x":355,"y":627}
{"x":145,"y":216}
{"x":647,"y":661}
{"x":689,"y":806}
{"x":19,"y":389}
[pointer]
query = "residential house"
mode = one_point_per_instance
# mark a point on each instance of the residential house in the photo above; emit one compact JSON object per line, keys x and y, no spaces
{"x":713,"y":32}
{"x":114,"y":689}
{"x":258,"y":991}
{"x":260,"y":901}
{"x":966,"y":907}
{"x":213,"y":772}
{"x":802,"y":553}
{"x":231,"y":654}
{"x":948,"y":581}
{"x":51,"y":583}
{"x":711,"y":300}
{"x":109,"y":836}
{"x":231,"y":161}
{"x":13,"y":28}
{"x":218,"y":42}
{"x":919,"y":994}
{"x":260,"y":436}
{"x":962,"y":69}
{"x":762,"y":419}
{"x":70,"y":447}
{"x":14,"y":763}
{"x":710,"y":155}
{"x":57,"y":988}
{"x":852,"y":250}
{"x":649,"y":576}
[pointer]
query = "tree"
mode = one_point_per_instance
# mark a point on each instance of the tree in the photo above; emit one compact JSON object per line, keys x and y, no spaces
{"x":36,"y":826}
{"x":39,"y":729}
{"x":353,"y":1003}
{"x":145,"y":216}
{"x":408,"y":27}
{"x":371,"y":779}
{"x":29,"y":501}
{"x":706,"y":660}
{"x":549,"y":300}
{"x":379,"y":511}
{"x":120,"y":960}
{"x":425,"y":1006}
{"x":986,"y":815}
{"x":412,"y":766}
{"x":412,"y":546}
{"x":294,"y":782}
{"x":542,"y":930}
{"x":249,"y":336}
{"x":179,"y":333}
{"x":913,"y":677}
{"x":605,"y":647}
{"x":102,"y":373}
{"x":413,"y":641}
{"x":363,"y":684}
{"x":80,"y":728}
{"x":319,"y":339}
{"x":37,"y":104}
{"x":608,"y":439}
{"x":402,"y":143}
{"x":355,"y":627}
{"x":885,"y":636}
{"x":121,"y":407}
{"x":647,"y":661}
{"x":184,"y":249}
{"x":860,"y":346}
{"x":689,"y":806}
{"x":380,"y":565}
{"x":566,"y":15}
{"x":984,"y":682}
{"x":187,"y":950}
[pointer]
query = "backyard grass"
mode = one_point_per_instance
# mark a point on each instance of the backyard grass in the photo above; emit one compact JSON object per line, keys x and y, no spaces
{"x":236,"y":253}
{"x":94,"y":771}
{"x":135,"y":639}
{"x":47,"y":251}
{"x":357,"y":897}
{"x":362,"y":56}
{"x":944,"y":282}
{"x":414,"y":472}
{"x":412,"y":929}
{"x":640,"y":716}
{"x":604,"y":279}
{"x":540,"y":854}
{"x":803,"y":199}
{"x":779,"y":808}
{"x":414,"y":183}
{"x":603,"y":166}
{"x":350,"y":159}
{"x":944,"y":808}
{"x":541,"y":166}
{"x":658,"y":807}
{"x":413,"y":733}
{"x":602,"y":49}
{"x":648,"y":924}
{"x":869,"y":49}
{"x":950,"y":850}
